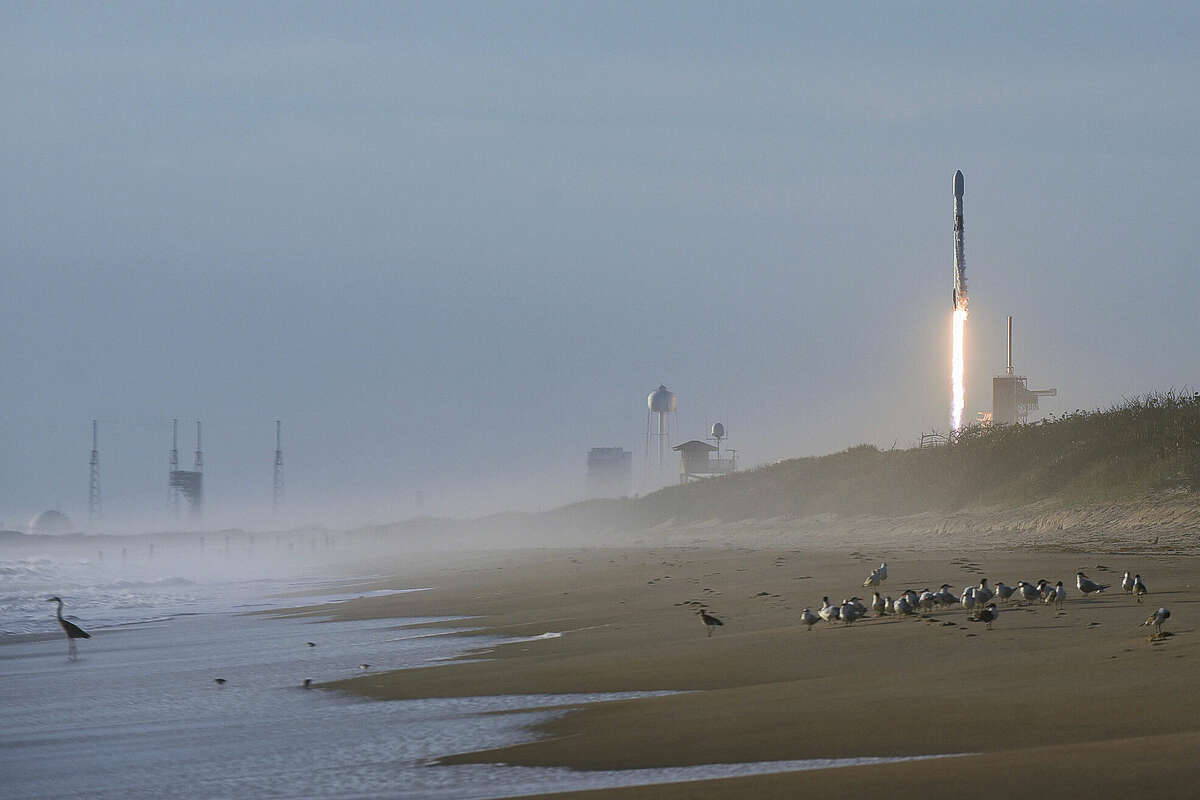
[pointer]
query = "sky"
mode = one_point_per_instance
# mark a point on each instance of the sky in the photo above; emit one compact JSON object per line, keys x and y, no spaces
{"x":454,"y":245}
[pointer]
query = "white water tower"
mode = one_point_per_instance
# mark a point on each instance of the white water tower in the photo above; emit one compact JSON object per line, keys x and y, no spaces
{"x":661,"y":404}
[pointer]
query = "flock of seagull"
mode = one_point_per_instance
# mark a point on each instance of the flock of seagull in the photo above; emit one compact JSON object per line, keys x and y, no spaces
{"x":982,"y":602}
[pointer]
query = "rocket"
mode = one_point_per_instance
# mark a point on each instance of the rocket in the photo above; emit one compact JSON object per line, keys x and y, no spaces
{"x":960,"y":256}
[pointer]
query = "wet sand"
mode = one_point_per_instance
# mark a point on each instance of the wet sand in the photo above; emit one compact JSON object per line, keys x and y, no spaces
{"x":1051,"y":701}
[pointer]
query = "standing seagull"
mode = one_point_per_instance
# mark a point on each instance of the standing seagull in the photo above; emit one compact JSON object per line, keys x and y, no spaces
{"x":809,"y":618}
{"x":1139,"y":588}
{"x":1157,"y":619}
{"x":709,"y":620}
{"x":1087,"y":585}
{"x":1127,"y":584}
{"x":72,"y":630}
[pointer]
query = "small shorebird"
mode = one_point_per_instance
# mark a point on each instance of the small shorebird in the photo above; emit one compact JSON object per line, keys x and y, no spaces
{"x":1139,"y":588}
{"x":364,"y":666}
{"x":1157,"y":619}
{"x":219,"y":681}
{"x":1087,"y":585}
{"x":1127,"y":583}
{"x":881,"y":571}
{"x":945,"y":597}
{"x":308,"y":683}
{"x":809,"y":618}
{"x":709,"y":621}
{"x":983,"y":595}
{"x":968,"y":599}
{"x":1028,"y":591}
{"x":829,"y":612}
{"x":987,"y":615}
{"x":926,"y":601}
{"x":72,"y":630}
{"x":872,"y":580}
{"x":1056,"y":594}
{"x":311,"y":644}
{"x":903,"y":605}
{"x":1003,"y":593}
{"x":850,"y":612}
{"x":878,"y":605}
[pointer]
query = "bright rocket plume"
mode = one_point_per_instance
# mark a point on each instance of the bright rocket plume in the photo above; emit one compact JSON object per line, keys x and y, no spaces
{"x":958,"y":378}
{"x":957,"y":370}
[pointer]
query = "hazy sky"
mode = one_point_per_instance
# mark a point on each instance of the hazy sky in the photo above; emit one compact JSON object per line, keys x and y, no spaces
{"x":454,"y":245}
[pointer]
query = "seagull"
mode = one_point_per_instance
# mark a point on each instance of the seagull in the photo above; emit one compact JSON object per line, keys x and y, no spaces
{"x":982,"y":593}
{"x":944,"y":597}
{"x":311,"y":644}
{"x":849,"y":612}
{"x":219,"y":681}
{"x":881,"y":571}
{"x":872,"y":579}
{"x":878,"y":605}
{"x":968,"y":598}
{"x":72,"y":630}
{"x":1157,"y":619}
{"x":926,"y":601}
{"x":903,"y":606}
{"x":364,"y":666}
{"x":1028,"y":591}
{"x":1056,"y":595}
{"x":1127,"y":584}
{"x":889,"y":605}
{"x":1043,"y":587}
{"x":809,"y":618}
{"x":1087,"y":585}
{"x":829,"y":613}
{"x":709,"y":621}
{"x":1004,"y":592}
{"x":1139,"y":588}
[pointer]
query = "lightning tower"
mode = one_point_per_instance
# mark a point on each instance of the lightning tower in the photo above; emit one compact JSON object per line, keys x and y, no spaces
{"x":94,"y":482}
{"x":172,"y":489}
{"x":277,"y":494}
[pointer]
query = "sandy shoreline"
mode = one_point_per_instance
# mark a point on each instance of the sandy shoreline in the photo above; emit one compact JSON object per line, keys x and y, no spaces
{"x":1059,"y":690}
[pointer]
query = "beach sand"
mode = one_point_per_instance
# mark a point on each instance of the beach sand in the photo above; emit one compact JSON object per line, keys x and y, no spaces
{"x":1064,"y":702}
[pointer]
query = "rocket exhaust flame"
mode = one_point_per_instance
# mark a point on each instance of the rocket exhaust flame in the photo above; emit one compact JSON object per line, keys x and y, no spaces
{"x":957,"y":368}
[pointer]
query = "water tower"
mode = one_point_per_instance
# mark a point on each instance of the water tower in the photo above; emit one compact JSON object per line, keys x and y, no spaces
{"x":661,"y":404}
{"x":718,"y":433}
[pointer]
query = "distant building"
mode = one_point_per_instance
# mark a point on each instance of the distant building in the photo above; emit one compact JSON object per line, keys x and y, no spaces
{"x":696,"y":461}
{"x":609,"y":472}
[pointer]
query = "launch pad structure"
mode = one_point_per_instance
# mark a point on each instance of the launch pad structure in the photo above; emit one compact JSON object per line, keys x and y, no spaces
{"x":1012,"y":399}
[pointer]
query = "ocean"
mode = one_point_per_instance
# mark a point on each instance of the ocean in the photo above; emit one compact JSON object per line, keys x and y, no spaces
{"x":140,"y":715}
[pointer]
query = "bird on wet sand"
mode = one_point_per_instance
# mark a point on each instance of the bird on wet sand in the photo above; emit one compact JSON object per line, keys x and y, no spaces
{"x":987,"y":615}
{"x":878,"y":605}
{"x":809,"y":618}
{"x":1139,"y":588}
{"x":1056,"y":594}
{"x":1027,"y":591}
{"x":1127,"y":584}
{"x":364,"y":666}
{"x":1003,"y":593}
{"x":709,"y":620}
{"x":1157,"y":619}
{"x":1087,"y":585}
{"x":829,"y":612}
{"x":308,"y":683}
{"x":72,"y":630}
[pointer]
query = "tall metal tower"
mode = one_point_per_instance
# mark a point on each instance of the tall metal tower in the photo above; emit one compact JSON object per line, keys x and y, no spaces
{"x":94,"y":482}
{"x":277,"y":494}
{"x":198,"y":464}
{"x":172,"y":489}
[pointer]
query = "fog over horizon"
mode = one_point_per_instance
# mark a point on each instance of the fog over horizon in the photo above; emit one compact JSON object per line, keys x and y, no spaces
{"x":454,"y":246}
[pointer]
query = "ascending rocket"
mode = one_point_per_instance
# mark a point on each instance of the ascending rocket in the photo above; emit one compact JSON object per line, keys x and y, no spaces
{"x":960,"y":256}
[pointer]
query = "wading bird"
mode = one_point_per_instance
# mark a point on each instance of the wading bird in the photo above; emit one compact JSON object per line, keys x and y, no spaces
{"x":72,"y":630}
{"x":709,"y":620}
